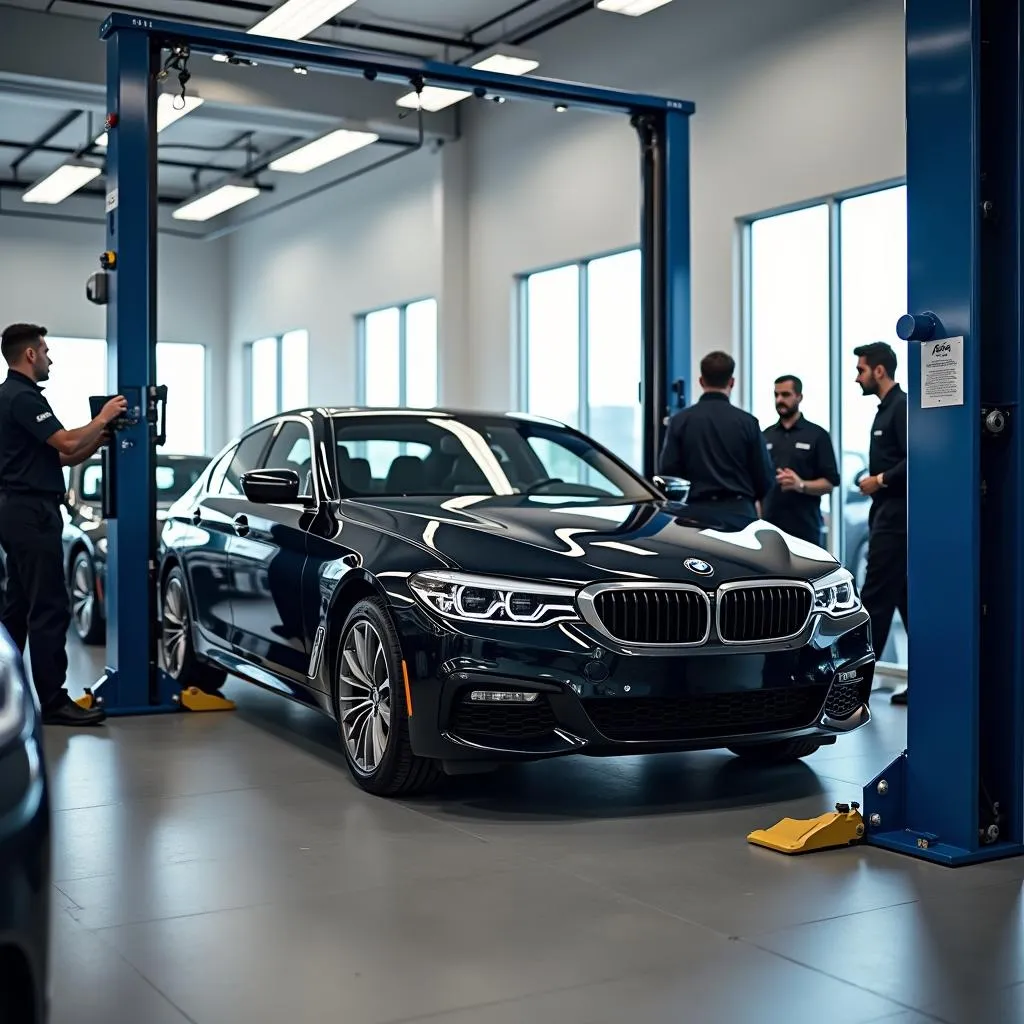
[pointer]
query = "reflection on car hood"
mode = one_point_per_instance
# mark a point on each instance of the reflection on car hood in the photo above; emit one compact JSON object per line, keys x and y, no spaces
{"x":551,"y":539}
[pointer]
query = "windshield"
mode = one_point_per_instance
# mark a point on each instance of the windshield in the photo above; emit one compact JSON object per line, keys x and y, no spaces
{"x":393,"y":456}
{"x":174,"y":476}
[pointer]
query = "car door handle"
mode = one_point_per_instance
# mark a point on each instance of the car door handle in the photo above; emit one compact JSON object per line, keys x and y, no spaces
{"x":197,"y":517}
{"x":241,"y":525}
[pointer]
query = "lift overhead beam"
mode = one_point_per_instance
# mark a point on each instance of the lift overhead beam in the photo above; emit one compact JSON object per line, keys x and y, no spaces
{"x":133,"y":682}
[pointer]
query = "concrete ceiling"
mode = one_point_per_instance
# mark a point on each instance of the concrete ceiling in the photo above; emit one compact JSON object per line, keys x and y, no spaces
{"x":53,"y":98}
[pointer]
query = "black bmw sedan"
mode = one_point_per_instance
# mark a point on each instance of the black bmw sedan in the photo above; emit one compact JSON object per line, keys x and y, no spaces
{"x":459,"y":590}
{"x":25,"y":826}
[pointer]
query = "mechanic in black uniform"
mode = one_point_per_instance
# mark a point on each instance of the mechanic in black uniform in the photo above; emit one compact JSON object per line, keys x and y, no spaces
{"x":719,"y":448}
{"x":805,"y":466}
{"x":33,"y":447}
{"x":885,"y":585}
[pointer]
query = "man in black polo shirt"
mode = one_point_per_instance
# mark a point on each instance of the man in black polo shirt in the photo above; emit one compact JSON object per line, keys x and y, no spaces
{"x":805,"y":465}
{"x":719,"y":448}
{"x":885,"y":585}
{"x":33,"y":447}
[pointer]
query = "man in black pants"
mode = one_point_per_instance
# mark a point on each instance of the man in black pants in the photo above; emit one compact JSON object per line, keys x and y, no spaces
{"x":805,"y":466}
{"x":33,"y":448}
{"x":885,"y":586}
{"x":719,"y":449}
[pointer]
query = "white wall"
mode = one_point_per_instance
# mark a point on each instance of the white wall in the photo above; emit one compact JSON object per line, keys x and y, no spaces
{"x":794,"y":99}
{"x":316,"y":265}
{"x":44,"y":266}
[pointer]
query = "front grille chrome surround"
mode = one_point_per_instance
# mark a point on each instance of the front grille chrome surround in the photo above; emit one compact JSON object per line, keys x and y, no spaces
{"x":590,"y":597}
{"x":763,"y":589}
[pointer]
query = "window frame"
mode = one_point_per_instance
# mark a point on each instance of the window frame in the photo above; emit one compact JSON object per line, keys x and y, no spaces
{"x":744,"y":226}
{"x":318,"y":492}
{"x":403,"y":350}
{"x":278,"y":340}
{"x":522,"y":330}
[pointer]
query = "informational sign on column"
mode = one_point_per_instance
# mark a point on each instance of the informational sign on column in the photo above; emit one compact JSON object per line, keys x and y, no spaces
{"x":942,"y":373}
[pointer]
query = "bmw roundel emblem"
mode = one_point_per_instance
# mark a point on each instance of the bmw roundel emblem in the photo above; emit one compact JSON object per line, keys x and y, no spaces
{"x":699,"y":567}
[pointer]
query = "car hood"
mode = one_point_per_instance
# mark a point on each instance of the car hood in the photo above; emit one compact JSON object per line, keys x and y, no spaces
{"x":528,"y":537}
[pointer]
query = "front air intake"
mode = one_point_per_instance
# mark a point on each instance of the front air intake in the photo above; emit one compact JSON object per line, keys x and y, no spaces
{"x":651,"y":616}
{"x":751,"y":613}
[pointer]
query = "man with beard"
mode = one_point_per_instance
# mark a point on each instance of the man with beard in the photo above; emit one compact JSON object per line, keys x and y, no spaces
{"x":805,"y":465}
{"x":885,"y":586}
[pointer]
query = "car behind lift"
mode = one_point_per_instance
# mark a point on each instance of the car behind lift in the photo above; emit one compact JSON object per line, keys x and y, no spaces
{"x":133,"y":682}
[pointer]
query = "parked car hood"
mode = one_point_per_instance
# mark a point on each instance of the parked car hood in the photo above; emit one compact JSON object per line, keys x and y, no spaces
{"x":533,"y":537}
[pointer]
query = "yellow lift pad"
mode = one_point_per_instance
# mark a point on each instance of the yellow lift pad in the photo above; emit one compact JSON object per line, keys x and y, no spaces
{"x":192,"y":699}
{"x":842,"y":827}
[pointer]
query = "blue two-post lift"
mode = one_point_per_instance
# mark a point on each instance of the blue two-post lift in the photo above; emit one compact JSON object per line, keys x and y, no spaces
{"x":133,"y":682}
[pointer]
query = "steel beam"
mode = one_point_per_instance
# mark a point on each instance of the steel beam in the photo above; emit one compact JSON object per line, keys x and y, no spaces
{"x":133,"y":683}
{"x":955,"y":796}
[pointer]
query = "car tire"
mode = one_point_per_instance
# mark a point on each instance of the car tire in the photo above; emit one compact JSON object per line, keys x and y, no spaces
{"x":89,"y":625}
{"x":777,"y":752}
{"x":374,"y":730}
{"x":177,"y":652}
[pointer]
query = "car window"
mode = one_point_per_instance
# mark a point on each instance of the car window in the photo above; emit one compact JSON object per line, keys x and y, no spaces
{"x":477,"y":455}
{"x":213,"y":485}
{"x":292,"y":450}
{"x":91,"y":486}
{"x":247,"y":457}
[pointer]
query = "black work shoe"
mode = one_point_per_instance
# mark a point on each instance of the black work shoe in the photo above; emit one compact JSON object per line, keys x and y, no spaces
{"x":901,"y":697}
{"x":67,"y":712}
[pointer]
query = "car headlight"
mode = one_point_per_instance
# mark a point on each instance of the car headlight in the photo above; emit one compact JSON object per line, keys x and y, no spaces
{"x":469,"y":598}
{"x":14,"y":699}
{"x":836,"y":594}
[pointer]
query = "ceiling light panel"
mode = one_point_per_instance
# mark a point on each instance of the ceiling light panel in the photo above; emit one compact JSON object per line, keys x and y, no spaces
{"x":214,"y":203}
{"x":297,"y":18}
{"x":433,"y":98}
{"x":322,"y":151}
{"x":507,"y":64}
{"x":63,"y":182}
{"x":634,"y":8}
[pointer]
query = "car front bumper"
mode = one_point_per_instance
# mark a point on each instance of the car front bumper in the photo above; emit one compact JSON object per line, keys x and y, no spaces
{"x":24,"y":877}
{"x":599,"y":699}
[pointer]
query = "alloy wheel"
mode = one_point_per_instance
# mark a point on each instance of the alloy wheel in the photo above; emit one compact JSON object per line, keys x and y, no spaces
{"x":364,"y":696}
{"x":174,"y":628}
{"x":83,"y":595}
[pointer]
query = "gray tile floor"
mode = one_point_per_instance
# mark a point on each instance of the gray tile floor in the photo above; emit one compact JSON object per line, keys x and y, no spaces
{"x":222,"y":868}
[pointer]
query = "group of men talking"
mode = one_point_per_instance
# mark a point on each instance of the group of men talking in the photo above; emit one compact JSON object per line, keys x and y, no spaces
{"x":779,"y":474}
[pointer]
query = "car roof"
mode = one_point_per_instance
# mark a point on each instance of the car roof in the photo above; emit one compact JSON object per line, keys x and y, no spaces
{"x":383,"y":411}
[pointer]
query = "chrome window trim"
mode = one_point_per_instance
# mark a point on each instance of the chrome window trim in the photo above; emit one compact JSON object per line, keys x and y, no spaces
{"x":588,"y":611}
{"x":317,"y":495}
{"x":758,"y":584}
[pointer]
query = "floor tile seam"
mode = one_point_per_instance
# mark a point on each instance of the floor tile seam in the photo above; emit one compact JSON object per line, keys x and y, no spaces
{"x":610,"y":979}
{"x":141,"y":798}
{"x":834,"y":917}
{"x":69,"y":898}
{"x":902,"y":1006}
{"x":289,"y":902}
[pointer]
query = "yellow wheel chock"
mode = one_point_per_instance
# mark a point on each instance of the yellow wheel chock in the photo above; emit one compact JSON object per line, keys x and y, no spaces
{"x":842,"y":827}
{"x":194,"y":699}
{"x":86,"y":700}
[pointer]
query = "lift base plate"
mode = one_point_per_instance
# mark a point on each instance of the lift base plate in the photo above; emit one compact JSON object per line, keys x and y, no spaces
{"x":172,"y":698}
{"x":842,"y":827}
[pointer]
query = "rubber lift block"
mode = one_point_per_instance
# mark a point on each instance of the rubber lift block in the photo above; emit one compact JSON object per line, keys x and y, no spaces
{"x":842,"y":827}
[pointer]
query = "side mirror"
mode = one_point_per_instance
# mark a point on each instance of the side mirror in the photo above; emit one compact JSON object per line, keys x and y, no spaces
{"x":673,"y":487}
{"x":271,"y":486}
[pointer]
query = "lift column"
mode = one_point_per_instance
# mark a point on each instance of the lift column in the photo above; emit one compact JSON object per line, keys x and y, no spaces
{"x":956,"y":795}
{"x":131,"y":683}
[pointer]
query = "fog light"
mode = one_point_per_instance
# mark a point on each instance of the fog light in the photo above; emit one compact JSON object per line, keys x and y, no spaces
{"x":503,"y":696}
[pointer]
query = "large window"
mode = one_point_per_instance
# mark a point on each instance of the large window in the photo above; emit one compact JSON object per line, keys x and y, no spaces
{"x":582,"y":351}
{"x":80,"y":370}
{"x":819,"y":282}
{"x":397,"y":354}
{"x":278,"y":374}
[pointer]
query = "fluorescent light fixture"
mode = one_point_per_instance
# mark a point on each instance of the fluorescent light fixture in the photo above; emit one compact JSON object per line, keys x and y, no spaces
{"x":634,"y":8}
{"x":321,"y":151}
{"x":214,"y":203}
{"x":297,"y":18}
{"x":433,"y":98}
{"x":63,"y":182}
{"x":506,"y":60}
{"x":169,"y":108}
